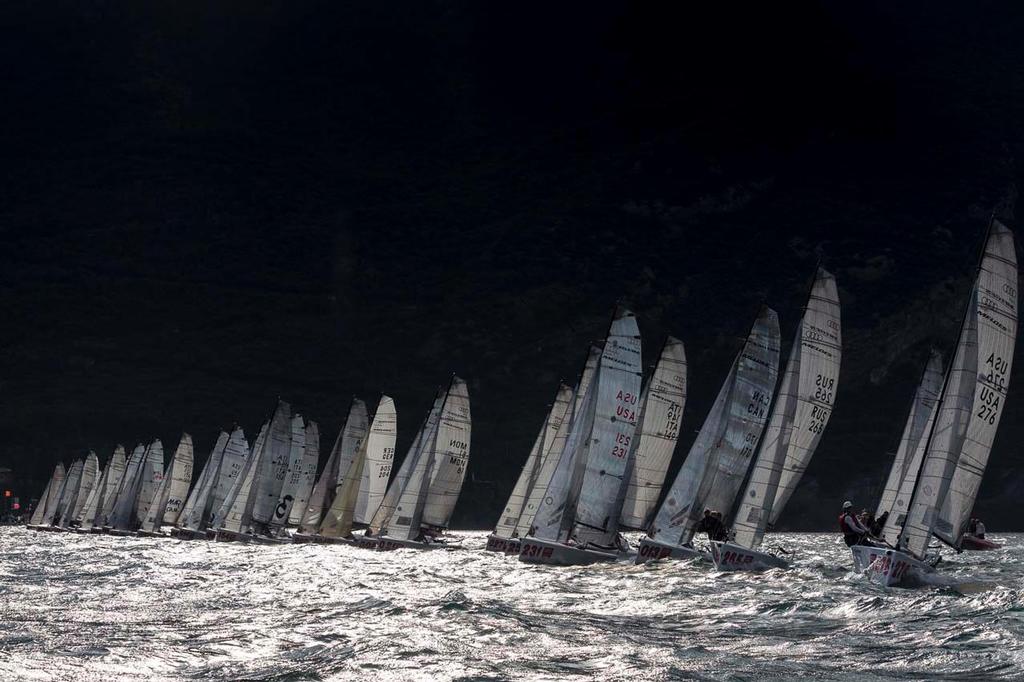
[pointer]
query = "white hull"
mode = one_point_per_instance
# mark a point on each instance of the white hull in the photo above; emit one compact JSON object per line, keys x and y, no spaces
{"x":730,"y":557}
{"x":536,"y":551}
{"x":651,"y":550}
{"x":889,"y":567}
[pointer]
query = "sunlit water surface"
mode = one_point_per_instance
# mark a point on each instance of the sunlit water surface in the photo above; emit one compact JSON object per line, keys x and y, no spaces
{"x":76,"y":607}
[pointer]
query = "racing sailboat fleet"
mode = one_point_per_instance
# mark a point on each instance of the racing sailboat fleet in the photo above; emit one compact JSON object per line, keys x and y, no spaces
{"x":599,"y":462}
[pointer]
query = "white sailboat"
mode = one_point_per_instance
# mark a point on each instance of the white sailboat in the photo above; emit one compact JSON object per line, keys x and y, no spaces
{"x":324,"y":510}
{"x":292,"y":482}
{"x":425,"y":506}
{"x":122,"y":509}
{"x":800,"y":413}
{"x":380,"y":456}
{"x":196,"y":510}
{"x":380,"y":519}
{"x":505,"y":538}
{"x":232,"y":468}
{"x":277,"y":450}
{"x":959,"y":440}
{"x":169,"y":498}
{"x":68,"y":493}
{"x":43,"y":514}
{"x":720,"y":456}
{"x":578,"y":520}
{"x":556,"y":455}
{"x":306,"y":474}
{"x":151,"y":477}
{"x":87,"y":516}
{"x":233,"y":521}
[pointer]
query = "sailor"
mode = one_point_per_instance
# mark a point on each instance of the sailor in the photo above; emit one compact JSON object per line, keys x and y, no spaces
{"x":712,"y":525}
{"x":879,"y":525}
{"x":854,"y":532}
{"x":977,"y":529}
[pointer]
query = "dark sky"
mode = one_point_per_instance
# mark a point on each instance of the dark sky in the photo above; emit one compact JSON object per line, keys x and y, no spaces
{"x":207,"y":205}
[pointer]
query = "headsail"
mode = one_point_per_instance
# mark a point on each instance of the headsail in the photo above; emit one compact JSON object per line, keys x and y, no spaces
{"x":718,"y":460}
{"x":661,"y":409}
{"x":350,"y":450}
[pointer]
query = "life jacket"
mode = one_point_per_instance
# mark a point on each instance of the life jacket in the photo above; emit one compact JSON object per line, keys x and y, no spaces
{"x":843,"y":528}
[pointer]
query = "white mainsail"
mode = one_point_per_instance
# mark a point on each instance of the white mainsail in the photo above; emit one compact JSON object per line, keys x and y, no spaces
{"x":543,"y":512}
{"x":180,"y":478}
{"x":350,"y":451}
{"x":232,"y":468}
{"x":273,"y":464}
{"x":115,"y":473}
{"x":996,"y":312}
{"x":506,"y":526}
{"x":196,"y":510}
{"x":945,"y":438}
{"x":151,"y":477}
{"x":90,"y":469}
{"x":821,"y":348}
{"x":67,"y":498}
{"x":49,"y":496}
{"x":293,"y":474}
{"x":123,"y":509}
{"x":235,"y":514}
{"x":907,"y":460}
{"x":307,"y":473}
{"x":715,"y":466}
{"x":87,"y":516}
{"x":451,"y":456}
{"x":661,"y":409}
{"x":322,"y":495}
{"x":606,"y":475}
{"x":423,"y":437}
{"x":380,"y":455}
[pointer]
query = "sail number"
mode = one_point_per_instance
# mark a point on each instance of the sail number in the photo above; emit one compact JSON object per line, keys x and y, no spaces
{"x":824,"y":386}
{"x":385,"y":471}
{"x":672,"y":420}
{"x":388,"y":454}
{"x":989,"y":399}
{"x":759,"y":403}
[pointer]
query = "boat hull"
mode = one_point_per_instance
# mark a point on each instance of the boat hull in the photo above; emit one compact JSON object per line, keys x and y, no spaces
{"x":150,"y":534}
{"x":496,"y":543}
{"x":364,"y":542}
{"x":972,"y":543}
{"x":121,"y":533}
{"x":386,"y":544}
{"x":730,"y":557}
{"x":189,"y":534}
{"x":231,"y":536}
{"x":537,"y":551}
{"x":652,"y":550}
{"x":889,"y":567}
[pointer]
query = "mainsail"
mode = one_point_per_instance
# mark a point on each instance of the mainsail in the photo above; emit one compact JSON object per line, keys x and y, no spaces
{"x":717,"y":462}
{"x":273,"y":464}
{"x":293,"y":474}
{"x":613,"y":429}
{"x":115,"y":474}
{"x":123,"y":509}
{"x":70,"y":492}
{"x":350,"y":450}
{"x":87,"y":516}
{"x":451,"y":456}
{"x":196,"y":510}
{"x":307,"y":473}
{"x":661,"y":409}
{"x":800,"y":413}
{"x":996,"y":312}
{"x":235,"y":514}
{"x":169,"y":497}
{"x":151,"y":476}
{"x":232,"y":467}
{"x":90,"y":469}
{"x":380,"y":455}
{"x":48,"y":497}
{"x":322,"y":495}
{"x":905,"y":463}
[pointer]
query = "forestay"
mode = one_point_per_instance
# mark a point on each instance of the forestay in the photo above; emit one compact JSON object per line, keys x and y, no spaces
{"x":715,"y":466}
{"x":661,"y":409}
{"x":996,"y":312}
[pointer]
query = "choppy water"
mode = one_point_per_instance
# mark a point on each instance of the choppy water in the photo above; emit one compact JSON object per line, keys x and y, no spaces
{"x":76,"y":607}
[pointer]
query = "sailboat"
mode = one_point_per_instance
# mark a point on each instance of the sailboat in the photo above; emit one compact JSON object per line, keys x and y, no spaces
{"x":380,"y":519}
{"x":305,"y":474}
{"x":959,"y":439}
{"x":355,"y":489}
{"x":505,"y":538}
{"x":293,"y":481}
{"x":273,"y":461}
{"x":425,"y":507}
{"x":718,"y":460}
{"x":113,"y":475}
{"x":42,"y":515}
{"x":169,"y":498}
{"x":68,"y":494}
{"x":800,"y":413}
{"x":123,"y":505}
{"x":233,"y":466}
{"x":196,"y":508}
{"x":314,"y":526}
{"x":578,"y":520}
